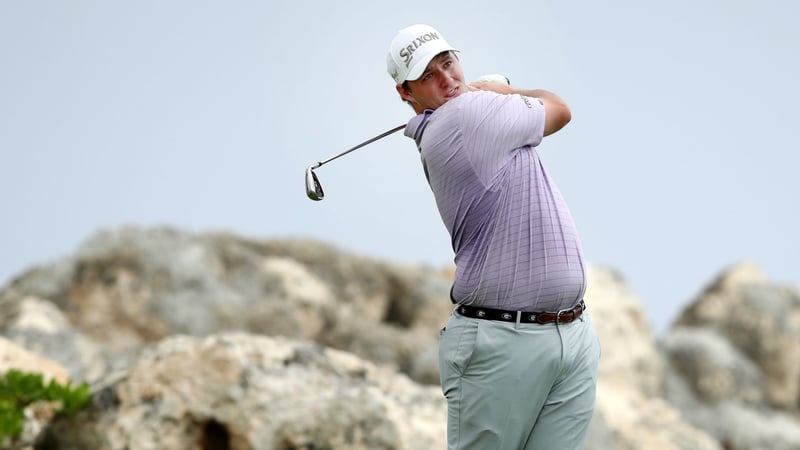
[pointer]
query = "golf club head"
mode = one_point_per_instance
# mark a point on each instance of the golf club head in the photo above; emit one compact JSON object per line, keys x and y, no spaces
{"x":313,"y":188}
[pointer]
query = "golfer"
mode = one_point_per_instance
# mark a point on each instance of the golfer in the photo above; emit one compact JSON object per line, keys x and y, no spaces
{"x":518,"y":357}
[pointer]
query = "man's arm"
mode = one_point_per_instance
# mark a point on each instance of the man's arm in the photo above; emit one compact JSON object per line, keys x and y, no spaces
{"x":557,"y":113}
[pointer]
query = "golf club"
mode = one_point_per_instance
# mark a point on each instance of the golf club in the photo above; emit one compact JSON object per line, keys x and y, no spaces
{"x":313,"y":188}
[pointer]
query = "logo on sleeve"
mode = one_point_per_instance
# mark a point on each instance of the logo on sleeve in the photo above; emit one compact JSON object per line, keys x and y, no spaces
{"x":528,"y":103}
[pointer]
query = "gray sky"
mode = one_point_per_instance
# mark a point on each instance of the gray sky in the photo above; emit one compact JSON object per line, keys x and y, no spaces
{"x":680,"y":160}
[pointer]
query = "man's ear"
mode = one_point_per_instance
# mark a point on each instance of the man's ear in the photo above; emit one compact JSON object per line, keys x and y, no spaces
{"x":405,"y":94}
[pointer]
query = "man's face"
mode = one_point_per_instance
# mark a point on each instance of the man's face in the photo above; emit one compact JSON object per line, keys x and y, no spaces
{"x":441,"y":81}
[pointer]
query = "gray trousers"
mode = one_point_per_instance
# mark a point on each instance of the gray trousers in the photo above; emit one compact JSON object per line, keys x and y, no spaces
{"x":515,"y":386}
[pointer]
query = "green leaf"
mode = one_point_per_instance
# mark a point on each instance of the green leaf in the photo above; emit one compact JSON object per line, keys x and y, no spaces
{"x":12,"y":419}
{"x":19,"y":389}
{"x":76,"y":399}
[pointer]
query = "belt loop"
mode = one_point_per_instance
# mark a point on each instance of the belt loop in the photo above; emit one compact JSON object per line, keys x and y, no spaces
{"x":519,"y":317}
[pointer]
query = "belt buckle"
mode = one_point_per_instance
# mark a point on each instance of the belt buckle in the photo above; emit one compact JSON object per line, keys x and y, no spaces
{"x":564,"y":311}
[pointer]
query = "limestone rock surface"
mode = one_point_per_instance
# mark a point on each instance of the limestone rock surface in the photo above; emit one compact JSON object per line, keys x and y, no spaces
{"x":216,"y":341}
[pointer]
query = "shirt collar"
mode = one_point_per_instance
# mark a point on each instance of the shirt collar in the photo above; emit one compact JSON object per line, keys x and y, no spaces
{"x":416,"y":126}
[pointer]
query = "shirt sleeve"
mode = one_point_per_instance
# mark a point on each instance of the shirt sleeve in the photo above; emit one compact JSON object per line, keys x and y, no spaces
{"x":495,"y":126}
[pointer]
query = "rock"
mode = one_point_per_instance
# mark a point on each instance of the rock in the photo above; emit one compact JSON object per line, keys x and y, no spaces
{"x":129,"y":287}
{"x":630,"y":412}
{"x":629,"y":353}
{"x":640,"y":422}
{"x":247,"y":392}
{"x":736,"y":425}
{"x":715,"y":369}
{"x":293,"y":343}
{"x":13,"y":356}
{"x":37,"y":415}
{"x":40,"y":327}
{"x":734,"y":362}
{"x":762,"y":321}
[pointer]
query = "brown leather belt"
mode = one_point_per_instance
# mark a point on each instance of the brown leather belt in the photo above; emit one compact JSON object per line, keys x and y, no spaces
{"x":563,"y":316}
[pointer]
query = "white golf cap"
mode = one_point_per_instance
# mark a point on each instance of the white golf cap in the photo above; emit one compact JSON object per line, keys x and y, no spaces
{"x":411,"y":51}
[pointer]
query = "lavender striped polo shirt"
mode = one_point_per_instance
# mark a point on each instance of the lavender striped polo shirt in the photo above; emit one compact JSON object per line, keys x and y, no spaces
{"x":516,"y":246}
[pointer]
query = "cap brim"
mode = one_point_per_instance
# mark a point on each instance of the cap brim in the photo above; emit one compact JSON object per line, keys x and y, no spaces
{"x":419,"y":68}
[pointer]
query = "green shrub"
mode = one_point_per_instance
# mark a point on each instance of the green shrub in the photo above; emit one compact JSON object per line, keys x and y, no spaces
{"x":19,"y":389}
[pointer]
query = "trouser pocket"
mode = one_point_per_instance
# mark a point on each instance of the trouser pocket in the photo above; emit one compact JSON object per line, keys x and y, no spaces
{"x":456,"y":347}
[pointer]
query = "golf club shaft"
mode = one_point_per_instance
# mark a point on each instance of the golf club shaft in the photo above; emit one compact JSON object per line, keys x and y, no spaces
{"x":380,"y":136}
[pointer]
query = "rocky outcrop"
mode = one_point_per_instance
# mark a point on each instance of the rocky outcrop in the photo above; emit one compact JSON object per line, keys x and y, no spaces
{"x":38,"y":415}
{"x":12,"y":356}
{"x":217,"y":341}
{"x":247,"y":392}
{"x":631,"y":412}
{"x":734,"y":361}
{"x":129,"y":287}
{"x":41,"y":327}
